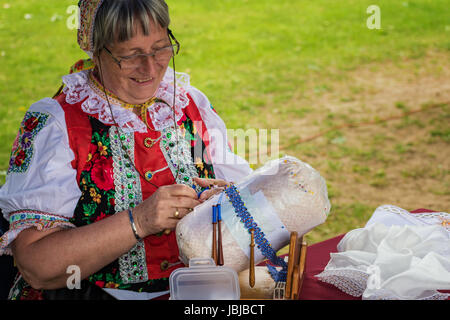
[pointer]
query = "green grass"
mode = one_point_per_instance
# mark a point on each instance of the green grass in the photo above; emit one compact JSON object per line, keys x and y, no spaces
{"x":252,"y":58}
{"x":344,"y":217}
{"x":242,"y":54}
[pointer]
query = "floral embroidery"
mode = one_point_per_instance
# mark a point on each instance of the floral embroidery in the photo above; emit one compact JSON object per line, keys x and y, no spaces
{"x":96,"y":180}
{"x":202,"y":163}
{"x":22,"y":151}
{"x":23,"y":219}
{"x":82,"y":65}
{"x":102,"y":174}
{"x":23,"y":291}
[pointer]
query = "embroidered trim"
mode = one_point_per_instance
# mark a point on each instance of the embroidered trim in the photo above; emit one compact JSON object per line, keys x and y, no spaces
{"x":126,"y":179}
{"x":388,"y":295}
{"x":24,"y":219}
{"x":132,"y":265}
{"x":22,"y":151}
{"x":427,"y":218}
{"x":78,"y":87}
{"x":352,"y":282}
{"x":180,"y":155}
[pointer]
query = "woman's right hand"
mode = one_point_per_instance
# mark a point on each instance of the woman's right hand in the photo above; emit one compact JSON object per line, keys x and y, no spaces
{"x":158,"y":212}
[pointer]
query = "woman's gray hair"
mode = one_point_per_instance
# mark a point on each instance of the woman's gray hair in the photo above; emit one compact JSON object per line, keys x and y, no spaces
{"x":116,"y":20}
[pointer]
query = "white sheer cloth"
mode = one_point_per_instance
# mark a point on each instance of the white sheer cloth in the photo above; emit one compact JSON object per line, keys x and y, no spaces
{"x":396,"y":256}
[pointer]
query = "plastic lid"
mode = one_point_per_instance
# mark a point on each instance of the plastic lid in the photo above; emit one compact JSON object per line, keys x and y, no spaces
{"x":203,"y":280}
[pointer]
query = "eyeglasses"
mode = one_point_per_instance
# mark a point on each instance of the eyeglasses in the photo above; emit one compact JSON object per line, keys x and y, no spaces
{"x":162,"y":56}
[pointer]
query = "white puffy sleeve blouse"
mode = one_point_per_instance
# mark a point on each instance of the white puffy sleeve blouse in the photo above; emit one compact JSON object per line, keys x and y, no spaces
{"x":40,"y":188}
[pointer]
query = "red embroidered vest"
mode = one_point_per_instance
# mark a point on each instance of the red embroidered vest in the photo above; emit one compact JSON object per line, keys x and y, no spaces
{"x":90,"y":141}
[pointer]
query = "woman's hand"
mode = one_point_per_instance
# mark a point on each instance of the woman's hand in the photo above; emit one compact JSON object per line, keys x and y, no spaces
{"x":215,"y":186}
{"x":163,"y":209}
{"x":159,"y":211}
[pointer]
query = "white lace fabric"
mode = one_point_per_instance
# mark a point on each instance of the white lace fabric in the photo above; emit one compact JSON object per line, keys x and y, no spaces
{"x":78,"y":87}
{"x":393,"y":257}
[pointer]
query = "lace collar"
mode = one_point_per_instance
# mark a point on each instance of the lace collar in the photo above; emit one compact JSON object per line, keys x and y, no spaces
{"x":79,"y":87}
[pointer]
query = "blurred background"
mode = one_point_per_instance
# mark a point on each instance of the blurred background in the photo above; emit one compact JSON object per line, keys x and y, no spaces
{"x":358,"y":89}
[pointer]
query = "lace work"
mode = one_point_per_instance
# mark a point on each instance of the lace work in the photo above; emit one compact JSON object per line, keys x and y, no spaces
{"x":133,"y":266}
{"x":160,"y":113}
{"x":423,"y":218}
{"x":355,"y":283}
{"x":382,"y":294}
{"x":79,"y":87}
{"x":352,"y":282}
{"x":396,"y":262}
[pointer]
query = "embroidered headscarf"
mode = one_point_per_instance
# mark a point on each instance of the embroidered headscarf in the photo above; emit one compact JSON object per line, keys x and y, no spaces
{"x":88,"y":12}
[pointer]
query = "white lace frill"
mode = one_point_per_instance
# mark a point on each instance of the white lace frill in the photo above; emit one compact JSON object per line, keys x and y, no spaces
{"x":392,"y":262}
{"x":78,"y":88}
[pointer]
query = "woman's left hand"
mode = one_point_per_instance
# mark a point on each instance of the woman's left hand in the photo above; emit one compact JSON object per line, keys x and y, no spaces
{"x":215,"y":186}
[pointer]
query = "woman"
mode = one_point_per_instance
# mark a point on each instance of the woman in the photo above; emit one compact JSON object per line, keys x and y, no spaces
{"x":101,"y":174}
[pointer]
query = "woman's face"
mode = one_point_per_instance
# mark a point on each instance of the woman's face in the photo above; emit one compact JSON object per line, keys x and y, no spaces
{"x":138,"y":84}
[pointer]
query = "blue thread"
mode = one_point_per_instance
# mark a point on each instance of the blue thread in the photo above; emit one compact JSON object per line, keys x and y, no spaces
{"x":260,"y":239}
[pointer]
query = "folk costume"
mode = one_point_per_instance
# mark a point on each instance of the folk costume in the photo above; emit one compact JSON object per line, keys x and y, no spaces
{"x":78,"y":159}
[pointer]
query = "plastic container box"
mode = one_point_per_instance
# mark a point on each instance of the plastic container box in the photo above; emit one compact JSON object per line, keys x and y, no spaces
{"x":203,"y":280}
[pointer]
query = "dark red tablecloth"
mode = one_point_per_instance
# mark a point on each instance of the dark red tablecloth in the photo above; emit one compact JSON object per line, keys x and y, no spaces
{"x":317,"y":257}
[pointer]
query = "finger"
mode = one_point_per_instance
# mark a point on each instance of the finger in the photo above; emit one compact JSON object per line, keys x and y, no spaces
{"x":183,"y":202}
{"x":181,"y":190}
{"x":203,"y":182}
{"x":209,"y":193}
{"x":180,"y":213}
{"x":171,"y":225}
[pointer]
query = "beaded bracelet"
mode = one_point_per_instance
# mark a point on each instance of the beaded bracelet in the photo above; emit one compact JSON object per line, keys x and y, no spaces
{"x":133,"y":225}
{"x":262,"y":243}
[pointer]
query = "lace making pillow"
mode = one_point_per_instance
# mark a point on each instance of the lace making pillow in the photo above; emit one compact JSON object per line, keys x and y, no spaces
{"x":283,"y":196}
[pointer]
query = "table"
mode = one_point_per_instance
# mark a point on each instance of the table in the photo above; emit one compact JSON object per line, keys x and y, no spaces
{"x":317,"y":257}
